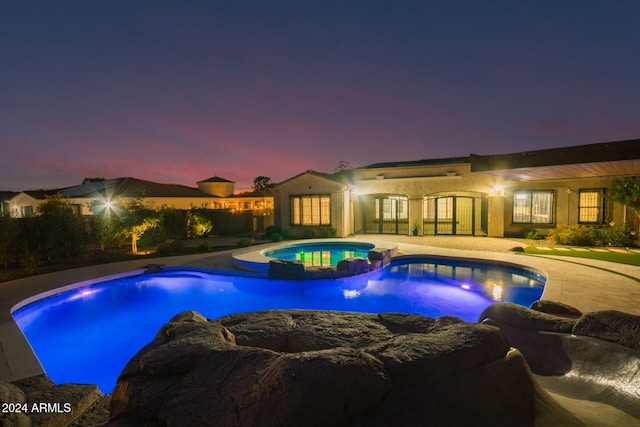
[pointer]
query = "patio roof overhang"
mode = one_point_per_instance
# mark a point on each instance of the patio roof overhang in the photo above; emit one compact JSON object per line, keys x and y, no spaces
{"x":610,"y":159}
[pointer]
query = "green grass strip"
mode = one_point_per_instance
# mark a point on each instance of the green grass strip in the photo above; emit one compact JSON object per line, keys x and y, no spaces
{"x":630,"y":258}
{"x":622,"y":258}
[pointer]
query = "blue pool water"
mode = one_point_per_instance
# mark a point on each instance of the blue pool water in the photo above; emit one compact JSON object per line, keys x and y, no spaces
{"x":88,"y":334}
{"x":320,"y":254}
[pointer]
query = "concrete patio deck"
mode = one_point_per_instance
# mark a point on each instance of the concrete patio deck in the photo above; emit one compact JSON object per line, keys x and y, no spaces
{"x":589,"y":285}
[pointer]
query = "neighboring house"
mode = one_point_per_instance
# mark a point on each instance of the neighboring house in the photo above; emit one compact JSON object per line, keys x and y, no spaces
{"x":499,"y":195}
{"x":213,"y":193}
{"x":5,"y":196}
{"x":24,"y":204}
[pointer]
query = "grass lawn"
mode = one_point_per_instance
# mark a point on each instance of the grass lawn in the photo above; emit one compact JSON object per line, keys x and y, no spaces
{"x":623,"y":258}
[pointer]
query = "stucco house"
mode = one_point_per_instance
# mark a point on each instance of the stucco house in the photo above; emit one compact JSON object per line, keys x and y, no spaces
{"x":212,"y":193}
{"x":497,"y":195}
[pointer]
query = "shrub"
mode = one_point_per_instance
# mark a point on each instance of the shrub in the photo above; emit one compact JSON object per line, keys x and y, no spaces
{"x":308,"y":234}
{"x":274,"y":233}
{"x":574,"y":235}
{"x":203,"y":247}
{"x":171,"y":247}
{"x":197,"y":223}
{"x":328,"y":232}
{"x":245,"y":242}
{"x":616,"y":235}
{"x":533,"y":234}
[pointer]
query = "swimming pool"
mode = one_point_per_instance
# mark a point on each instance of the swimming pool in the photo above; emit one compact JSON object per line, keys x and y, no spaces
{"x":313,"y":253}
{"x":88,"y":334}
{"x":320,"y":254}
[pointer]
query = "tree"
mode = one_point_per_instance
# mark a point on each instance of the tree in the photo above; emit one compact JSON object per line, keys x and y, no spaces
{"x":125,"y":219}
{"x":262,"y":183}
{"x":89,"y":179}
{"x":9,"y":231}
{"x":59,"y":227}
{"x":198,"y":225}
{"x":342,"y":166}
{"x":107,"y":223}
{"x":137,"y":220}
{"x":627,"y":191}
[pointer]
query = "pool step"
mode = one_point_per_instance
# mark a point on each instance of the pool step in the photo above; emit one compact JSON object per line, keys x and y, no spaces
{"x":51,"y":405}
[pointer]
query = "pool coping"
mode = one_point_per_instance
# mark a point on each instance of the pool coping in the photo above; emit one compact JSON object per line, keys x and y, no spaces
{"x":577,"y":284}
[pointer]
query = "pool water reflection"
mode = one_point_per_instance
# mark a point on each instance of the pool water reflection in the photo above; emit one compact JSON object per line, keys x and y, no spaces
{"x":320,"y":254}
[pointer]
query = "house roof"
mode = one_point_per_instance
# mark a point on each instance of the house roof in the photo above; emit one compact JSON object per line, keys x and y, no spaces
{"x":215,"y":179}
{"x":7,"y":195}
{"x":617,"y":158}
{"x":336,"y":178}
{"x":130,"y":187}
{"x":41,"y":194}
{"x":422,"y":162}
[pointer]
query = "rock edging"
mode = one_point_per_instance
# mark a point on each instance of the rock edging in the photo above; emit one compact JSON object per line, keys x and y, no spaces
{"x":319,"y":368}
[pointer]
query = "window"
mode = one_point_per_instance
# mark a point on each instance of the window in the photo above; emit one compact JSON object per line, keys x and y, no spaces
{"x":533,"y":207}
{"x":26,"y":211}
{"x":311,"y":210}
{"x":393,"y":207}
{"x":445,"y":208}
{"x":590,"y":207}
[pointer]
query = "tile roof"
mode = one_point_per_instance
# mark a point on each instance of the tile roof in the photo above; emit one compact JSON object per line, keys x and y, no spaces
{"x":8,"y":195}
{"x":215,"y":179}
{"x":337,"y":177}
{"x":131,"y":187}
{"x":590,"y":153}
{"x":422,"y":162}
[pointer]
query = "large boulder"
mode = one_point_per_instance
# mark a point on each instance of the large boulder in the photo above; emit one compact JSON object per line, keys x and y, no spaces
{"x":611,"y":325}
{"x":534,"y":334}
{"x":524,"y":318}
{"x":597,"y":358}
{"x":556,"y":308}
{"x":13,"y":415}
{"x":319,"y":368}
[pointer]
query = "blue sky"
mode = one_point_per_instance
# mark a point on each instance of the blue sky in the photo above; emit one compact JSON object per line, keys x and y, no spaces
{"x":181,"y":91}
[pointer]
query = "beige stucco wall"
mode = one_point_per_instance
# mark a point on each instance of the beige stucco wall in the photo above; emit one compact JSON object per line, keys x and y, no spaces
{"x":566,"y":202}
{"x":21,"y":200}
{"x":220,"y":189}
{"x":311,"y":184}
{"x":417,"y":182}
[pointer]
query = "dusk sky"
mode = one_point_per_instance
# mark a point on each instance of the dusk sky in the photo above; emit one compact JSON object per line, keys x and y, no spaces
{"x":179,"y":91}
